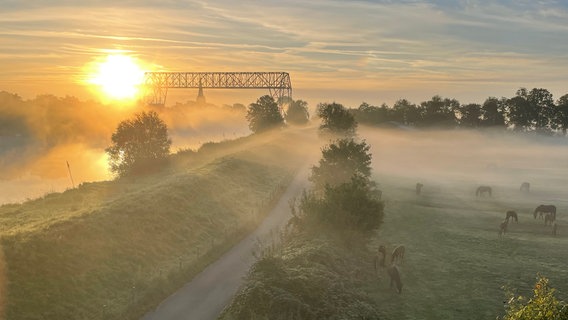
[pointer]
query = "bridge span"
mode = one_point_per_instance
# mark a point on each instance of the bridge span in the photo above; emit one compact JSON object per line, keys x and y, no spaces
{"x":158,"y":83}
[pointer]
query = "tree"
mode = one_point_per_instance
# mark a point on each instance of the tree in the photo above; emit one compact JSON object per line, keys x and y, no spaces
{"x":543,"y":104}
{"x":493,"y":112}
{"x":369,"y":114}
{"x":405,"y":112}
{"x":351,"y":207}
{"x":560,"y":119}
{"x":470,"y":115}
{"x":336,"y":118}
{"x":298,"y":113}
{"x":264,"y":115}
{"x":439,"y":112}
{"x":520,"y":112}
{"x":139,"y":144}
{"x":340,"y":161}
{"x":542,"y":306}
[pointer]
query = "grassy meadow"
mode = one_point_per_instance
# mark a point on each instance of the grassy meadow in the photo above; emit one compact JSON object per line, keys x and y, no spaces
{"x":455,"y":265}
{"x":115,"y":249}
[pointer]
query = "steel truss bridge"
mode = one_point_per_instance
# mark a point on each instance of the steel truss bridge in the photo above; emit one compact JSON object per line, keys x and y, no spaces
{"x":158,"y":83}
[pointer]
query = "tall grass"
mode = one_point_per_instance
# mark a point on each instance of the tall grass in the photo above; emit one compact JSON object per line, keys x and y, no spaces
{"x":112,"y":250}
{"x":307,"y":277}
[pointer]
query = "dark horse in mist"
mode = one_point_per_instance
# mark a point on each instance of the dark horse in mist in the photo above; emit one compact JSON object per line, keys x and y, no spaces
{"x":543,"y":209}
{"x":419,"y":188}
{"x":525,"y":187}
{"x":512,"y":214}
{"x":394,"y":275}
{"x":380,"y":257}
{"x":483,"y":189}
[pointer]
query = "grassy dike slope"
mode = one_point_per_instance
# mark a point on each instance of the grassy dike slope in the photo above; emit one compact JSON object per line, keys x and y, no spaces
{"x":111,"y":250}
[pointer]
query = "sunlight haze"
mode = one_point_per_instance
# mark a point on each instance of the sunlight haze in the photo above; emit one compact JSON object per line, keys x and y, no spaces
{"x":347,"y":51}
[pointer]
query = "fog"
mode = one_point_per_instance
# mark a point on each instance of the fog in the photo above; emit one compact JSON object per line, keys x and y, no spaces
{"x":39,"y":136}
{"x":470,"y":158}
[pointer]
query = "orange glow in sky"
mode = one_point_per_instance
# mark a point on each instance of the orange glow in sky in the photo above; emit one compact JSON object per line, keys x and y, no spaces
{"x":118,"y":77}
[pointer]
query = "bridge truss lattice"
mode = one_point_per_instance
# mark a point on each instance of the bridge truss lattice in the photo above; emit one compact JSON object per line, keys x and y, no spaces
{"x":158,"y":83}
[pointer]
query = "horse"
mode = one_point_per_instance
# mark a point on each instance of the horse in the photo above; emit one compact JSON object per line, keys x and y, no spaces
{"x":554,"y":227}
{"x":380,"y":257}
{"x":511,"y":214}
{"x":483,"y":189}
{"x":543,"y":209}
{"x":419,"y":188}
{"x":397,"y":254}
{"x":525,"y":187}
{"x":394,"y":275}
{"x":503,"y":228}
{"x":549,"y":219}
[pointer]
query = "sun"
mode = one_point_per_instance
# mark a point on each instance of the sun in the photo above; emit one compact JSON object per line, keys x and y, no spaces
{"x":118,"y":76}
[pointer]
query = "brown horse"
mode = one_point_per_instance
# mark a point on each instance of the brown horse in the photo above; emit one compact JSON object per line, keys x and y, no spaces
{"x":503,"y":228}
{"x":397,"y":254}
{"x":394,"y":275}
{"x":511,"y":214}
{"x":542,"y":210}
{"x":483,"y":189}
{"x":525,"y":187}
{"x":419,"y":188}
{"x":380,"y":257}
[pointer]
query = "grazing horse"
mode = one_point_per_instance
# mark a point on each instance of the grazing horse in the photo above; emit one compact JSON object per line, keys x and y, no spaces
{"x":397,"y":254}
{"x":544,"y":209}
{"x":419,"y":188}
{"x":503,"y":228}
{"x":380,"y":257}
{"x":525,"y":187}
{"x":483,"y":189}
{"x":512,"y":214}
{"x":395,"y":277}
{"x":554,"y":227}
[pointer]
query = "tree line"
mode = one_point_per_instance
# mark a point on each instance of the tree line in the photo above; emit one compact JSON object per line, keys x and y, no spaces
{"x":528,"y":111}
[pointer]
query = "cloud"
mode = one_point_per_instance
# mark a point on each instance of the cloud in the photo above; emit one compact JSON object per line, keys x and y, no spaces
{"x":359,"y":44}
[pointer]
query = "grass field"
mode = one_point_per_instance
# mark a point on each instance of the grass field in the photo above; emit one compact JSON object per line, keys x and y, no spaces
{"x":455,"y":265}
{"x":115,"y":249}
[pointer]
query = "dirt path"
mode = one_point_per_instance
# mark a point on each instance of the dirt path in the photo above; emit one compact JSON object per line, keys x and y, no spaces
{"x":210,"y":291}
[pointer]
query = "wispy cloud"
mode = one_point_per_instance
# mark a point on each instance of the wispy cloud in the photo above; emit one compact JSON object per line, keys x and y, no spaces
{"x":359,"y":45}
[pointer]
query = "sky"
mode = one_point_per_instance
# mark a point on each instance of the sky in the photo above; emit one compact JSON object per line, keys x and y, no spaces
{"x":344,"y":51}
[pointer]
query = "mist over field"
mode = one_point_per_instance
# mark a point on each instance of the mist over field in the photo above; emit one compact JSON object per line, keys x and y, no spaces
{"x":38,"y":137}
{"x":469,"y":157}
